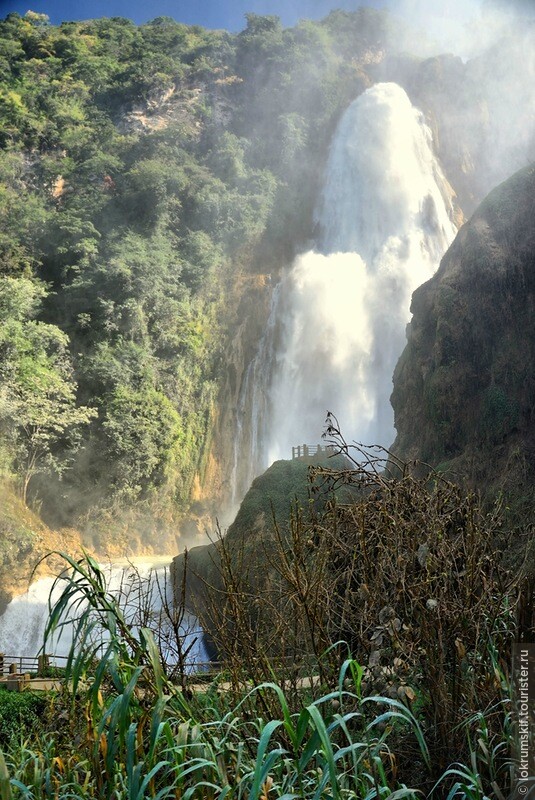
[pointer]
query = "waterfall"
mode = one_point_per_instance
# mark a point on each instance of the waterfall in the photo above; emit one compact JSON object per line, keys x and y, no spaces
{"x":144,"y":590}
{"x":337,"y":323}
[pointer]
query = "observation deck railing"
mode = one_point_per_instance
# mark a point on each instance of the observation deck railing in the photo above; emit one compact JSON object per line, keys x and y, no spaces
{"x":39,"y":665}
{"x":309,"y":450}
{"x":17,"y":670}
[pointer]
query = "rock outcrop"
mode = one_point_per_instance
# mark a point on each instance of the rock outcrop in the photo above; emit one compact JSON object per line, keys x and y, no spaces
{"x":464,"y":387}
{"x":247,"y":547}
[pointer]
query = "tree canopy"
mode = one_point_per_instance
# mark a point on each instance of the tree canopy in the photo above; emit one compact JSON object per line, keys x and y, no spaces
{"x":141,"y":169}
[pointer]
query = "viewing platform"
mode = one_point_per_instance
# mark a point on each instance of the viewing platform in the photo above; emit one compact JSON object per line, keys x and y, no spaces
{"x":18,"y":673}
{"x":311,"y":450}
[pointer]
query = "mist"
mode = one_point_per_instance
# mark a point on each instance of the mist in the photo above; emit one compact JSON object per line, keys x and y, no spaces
{"x":337,"y":321}
{"x":339,"y":313}
{"x":490,"y":104}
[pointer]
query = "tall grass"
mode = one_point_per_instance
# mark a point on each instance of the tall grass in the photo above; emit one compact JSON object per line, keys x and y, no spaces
{"x":123,"y":731}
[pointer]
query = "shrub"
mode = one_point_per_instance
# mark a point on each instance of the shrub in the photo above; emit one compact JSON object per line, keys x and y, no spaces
{"x":20,"y":715}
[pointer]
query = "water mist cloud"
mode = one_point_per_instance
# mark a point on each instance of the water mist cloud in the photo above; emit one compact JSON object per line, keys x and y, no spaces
{"x":339,"y":313}
{"x":483,"y":103}
{"x":464,"y":27}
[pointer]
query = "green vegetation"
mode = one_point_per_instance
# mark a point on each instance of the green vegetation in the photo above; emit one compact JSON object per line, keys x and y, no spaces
{"x":38,"y":393}
{"x":500,"y":414}
{"x":141,"y":168}
{"x":273,"y":493}
{"x":415,"y":702}
{"x":19,"y":715}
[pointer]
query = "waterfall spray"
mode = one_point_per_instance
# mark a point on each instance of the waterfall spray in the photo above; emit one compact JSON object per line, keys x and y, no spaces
{"x":339,"y":312}
{"x":144,"y":590}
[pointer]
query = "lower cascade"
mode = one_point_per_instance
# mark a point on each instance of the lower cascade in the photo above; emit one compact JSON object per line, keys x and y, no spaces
{"x":143,"y":588}
{"x":338,"y":316}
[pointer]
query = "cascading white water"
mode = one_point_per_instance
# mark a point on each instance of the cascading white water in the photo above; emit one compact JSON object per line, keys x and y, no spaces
{"x":339,"y":313}
{"x":144,"y":588}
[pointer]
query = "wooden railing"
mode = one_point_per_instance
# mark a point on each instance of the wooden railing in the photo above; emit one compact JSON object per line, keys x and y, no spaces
{"x":42,"y":664}
{"x":38,"y":664}
{"x":194,"y":672}
{"x":308,"y":450}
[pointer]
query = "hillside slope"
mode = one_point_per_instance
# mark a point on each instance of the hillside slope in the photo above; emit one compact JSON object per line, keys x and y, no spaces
{"x":24,"y":539}
{"x":246,"y":551}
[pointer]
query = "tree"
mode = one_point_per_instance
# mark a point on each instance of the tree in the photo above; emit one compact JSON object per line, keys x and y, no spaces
{"x":141,"y":429}
{"x":38,"y":397}
{"x":23,"y":216}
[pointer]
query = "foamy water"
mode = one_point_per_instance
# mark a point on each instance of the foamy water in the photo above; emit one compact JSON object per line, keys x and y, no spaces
{"x":337,"y":323}
{"x":144,"y":590}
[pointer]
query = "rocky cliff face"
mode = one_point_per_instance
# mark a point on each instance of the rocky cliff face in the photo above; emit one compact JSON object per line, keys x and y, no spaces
{"x":24,"y":542}
{"x":247,"y":316}
{"x":464,"y":387}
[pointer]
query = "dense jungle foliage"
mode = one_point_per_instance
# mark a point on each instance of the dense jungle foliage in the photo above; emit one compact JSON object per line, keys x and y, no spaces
{"x":141,"y":168}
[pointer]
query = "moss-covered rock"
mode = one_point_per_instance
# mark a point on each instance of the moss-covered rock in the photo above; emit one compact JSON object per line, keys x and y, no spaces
{"x":282,"y":490}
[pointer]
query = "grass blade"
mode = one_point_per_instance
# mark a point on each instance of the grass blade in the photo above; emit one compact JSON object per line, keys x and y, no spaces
{"x":5,"y":786}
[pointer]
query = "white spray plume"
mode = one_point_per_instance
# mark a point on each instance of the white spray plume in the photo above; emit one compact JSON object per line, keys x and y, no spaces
{"x":338,"y":319}
{"x":464,"y":27}
{"x":384,"y":225}
{"x":489,"y":104}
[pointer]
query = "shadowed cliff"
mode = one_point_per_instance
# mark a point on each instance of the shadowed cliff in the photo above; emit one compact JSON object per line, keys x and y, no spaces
{"x":464,"y":387}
